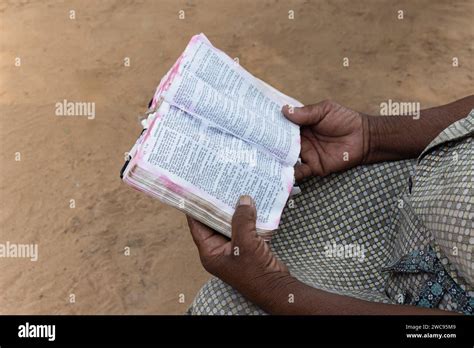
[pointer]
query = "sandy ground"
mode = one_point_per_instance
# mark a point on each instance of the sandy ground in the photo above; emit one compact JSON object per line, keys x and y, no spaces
{"x":81,"y":250}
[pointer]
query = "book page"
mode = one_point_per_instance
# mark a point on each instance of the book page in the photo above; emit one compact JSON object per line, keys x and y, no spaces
{"x":209,"y":84}
{"x":190,"y":155}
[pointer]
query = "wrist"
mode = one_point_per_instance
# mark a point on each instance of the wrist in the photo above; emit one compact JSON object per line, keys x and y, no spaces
{"x":386,"y":139}
{"x":277,"y":294}
{"x":370,"y":138}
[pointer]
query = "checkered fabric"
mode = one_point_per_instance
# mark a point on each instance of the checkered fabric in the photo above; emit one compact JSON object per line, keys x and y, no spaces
{"x":436,"y":215}
{"x":387,"y":212}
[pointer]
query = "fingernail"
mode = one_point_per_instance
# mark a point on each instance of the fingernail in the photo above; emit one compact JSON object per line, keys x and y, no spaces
{"x":245,"y":200}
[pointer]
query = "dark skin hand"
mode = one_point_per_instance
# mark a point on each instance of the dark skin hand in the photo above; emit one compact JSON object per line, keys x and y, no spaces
{"x":245,"y":261}
{"x":328,"y":131}
{"x":333,"y":138}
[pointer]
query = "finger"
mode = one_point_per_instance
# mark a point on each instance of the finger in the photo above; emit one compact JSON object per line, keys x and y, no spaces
{"x":199,"y":231}
{"x":244,"y":228}
{"x":306,"y":115}
{"x":302,"y":171}
{"x":311,"y":152}
{"x":205,"y":238}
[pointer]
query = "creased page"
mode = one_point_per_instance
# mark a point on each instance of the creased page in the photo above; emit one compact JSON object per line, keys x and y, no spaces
{"x":210,"y":85}
{"x":190,"y":155}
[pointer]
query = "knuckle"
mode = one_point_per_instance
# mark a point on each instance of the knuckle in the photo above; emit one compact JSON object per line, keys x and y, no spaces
{"x":208,"y":263}
{"x":244,"y":214}
{"x":327,"y":102}
{"x":308,"y":109}
{"x":329,"y":105}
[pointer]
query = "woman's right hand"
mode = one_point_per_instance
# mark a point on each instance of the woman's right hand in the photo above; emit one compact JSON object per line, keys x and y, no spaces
{"x":333,"y":138}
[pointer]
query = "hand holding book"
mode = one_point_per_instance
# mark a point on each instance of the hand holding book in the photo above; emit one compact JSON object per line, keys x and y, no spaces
{"x":246,"y":258}
{"x":333,"y":138}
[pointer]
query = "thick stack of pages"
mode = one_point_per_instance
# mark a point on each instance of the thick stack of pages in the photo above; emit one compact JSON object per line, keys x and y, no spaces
{"x":213,"y":133}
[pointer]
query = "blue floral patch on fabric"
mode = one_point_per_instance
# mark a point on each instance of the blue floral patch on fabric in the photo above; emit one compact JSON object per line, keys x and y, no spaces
{"x":438,"y":284}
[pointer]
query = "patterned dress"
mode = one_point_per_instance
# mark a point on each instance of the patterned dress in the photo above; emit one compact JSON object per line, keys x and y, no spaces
{"x":394,"y":232}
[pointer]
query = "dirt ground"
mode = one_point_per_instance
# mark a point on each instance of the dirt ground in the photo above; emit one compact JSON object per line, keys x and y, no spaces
{"x":81,"y":249}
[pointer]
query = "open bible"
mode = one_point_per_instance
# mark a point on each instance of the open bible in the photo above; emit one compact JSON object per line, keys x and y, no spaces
{"x":214,"y":132}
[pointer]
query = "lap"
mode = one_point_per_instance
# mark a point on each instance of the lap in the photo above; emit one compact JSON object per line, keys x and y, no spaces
{"x":347,"y":209}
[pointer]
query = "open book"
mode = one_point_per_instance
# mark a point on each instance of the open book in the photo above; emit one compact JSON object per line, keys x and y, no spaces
{"x":213,"y":133}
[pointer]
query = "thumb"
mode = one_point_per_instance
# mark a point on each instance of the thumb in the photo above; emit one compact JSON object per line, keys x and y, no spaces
{"x":244,"y":228}
{"x":305,"y":115}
